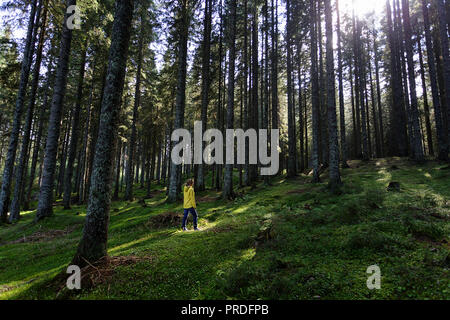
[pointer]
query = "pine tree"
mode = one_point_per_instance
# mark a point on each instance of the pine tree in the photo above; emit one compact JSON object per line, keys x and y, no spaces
{"x":93,"y":243}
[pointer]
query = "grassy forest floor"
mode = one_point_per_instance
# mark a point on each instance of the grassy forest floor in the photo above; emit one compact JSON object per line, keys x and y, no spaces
{"x":292,"y":240}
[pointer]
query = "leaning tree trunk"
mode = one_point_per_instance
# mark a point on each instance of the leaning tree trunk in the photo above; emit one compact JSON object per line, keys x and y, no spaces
{"x":228,"y":180}
{"x":335,"y":178}
{"x":23,"y":159}
{"x":14,"y":137}
{"x":75,"y":133}
{"x":93,"y":244}
{"x":45,"y":205}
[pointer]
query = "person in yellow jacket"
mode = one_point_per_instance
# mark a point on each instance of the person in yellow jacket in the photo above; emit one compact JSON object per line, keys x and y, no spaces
{"x":189,"y":204}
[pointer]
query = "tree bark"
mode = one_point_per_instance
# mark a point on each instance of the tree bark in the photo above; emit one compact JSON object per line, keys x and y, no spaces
{"x":23,"y":158}
{"x":417,"y":135}
{"x":426,"y":107}
{"x":291,"y":169}
{"x":75,"y":132}
{"x":344,"y":152}
{"x":180,"y":96}
{"x":335,"y":177}
{"x":314,"y":93}
{"x":18,"y":110}
{"x":228,"y":192}
{"x":200,"y":181}
{"x":441,"y":139}
{"x":45,"y":205}
{"x":93,"y":244}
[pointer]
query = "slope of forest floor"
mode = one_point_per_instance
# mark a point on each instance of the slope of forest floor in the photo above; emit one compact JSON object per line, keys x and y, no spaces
{"x":291,"y":240}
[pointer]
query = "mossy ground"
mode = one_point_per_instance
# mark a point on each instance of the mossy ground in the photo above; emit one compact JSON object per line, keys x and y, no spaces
{"x":291,"y":240}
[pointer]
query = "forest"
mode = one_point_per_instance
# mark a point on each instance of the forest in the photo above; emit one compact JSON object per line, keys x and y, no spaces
{"x":91,"y":92}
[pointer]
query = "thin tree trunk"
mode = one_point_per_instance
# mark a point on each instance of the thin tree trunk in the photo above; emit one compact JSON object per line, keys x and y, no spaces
{"x":137,"y":99}
{"x":426,"y":107}
{"x":200,"y":181}
{"x":45,"y":205}
{"x":314,"y":93}
{"x":180,"y":102}
{"x":442,"y":11}
{"x":341,"y":92}
{"x":75,"y":132}
{"x":377,"y":80}
{"x":417,"y":136}
{"x":22,"y":167}
{"x":228,"y":192}
{"x":441,"y":139}
{"x":335,"y":177}
{"x":18,"y":110}
{"x":291,"y":169}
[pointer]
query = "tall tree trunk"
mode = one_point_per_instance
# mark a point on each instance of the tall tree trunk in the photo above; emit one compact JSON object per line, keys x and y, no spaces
{"x":23,"y":159}
{"x":335,"y":177}
{"x":118,"y":160}
{"x":93,"y":243}
{"x":75,"y":131}
{"x":37,"y":144}
{"x":246,"y":106}
{"x":441,"y":139}
{"x":398,"y":129}
{"x":228,"y":192}
{"x":442,"y":12}
{"x":361,"y":76}
{"x":314,"y":92}
{"x":291,"y":169}
{"x":301,"y":120}
{"x":274,"y":65}
{"x":377,"y":80}
{"x":417,"y":135}
{"x":324,"y":151}
{"x":352,"y":96}
{"x":357,"y":129}
{"x":18,"y":110}
{"x":374,"y":113}
{"x":200,"y":181}
{"x":255,"y":100}
{"x":341,"y":91}
{"x":180,"y":96}
{"x":45,"y":205}
{"x":403,"y":76}
{"x":426,"y":107}
{"x":137,"y":99}
{"x":219,"y":104}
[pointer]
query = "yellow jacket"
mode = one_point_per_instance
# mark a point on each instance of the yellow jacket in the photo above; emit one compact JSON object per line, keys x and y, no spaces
{"x":189,"y":197}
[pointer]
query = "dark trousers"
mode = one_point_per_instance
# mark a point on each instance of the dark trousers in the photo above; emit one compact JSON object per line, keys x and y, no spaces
{"x":186,"y":213}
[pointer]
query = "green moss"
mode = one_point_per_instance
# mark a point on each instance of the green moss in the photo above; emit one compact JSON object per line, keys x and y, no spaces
{"x":320,"y":244}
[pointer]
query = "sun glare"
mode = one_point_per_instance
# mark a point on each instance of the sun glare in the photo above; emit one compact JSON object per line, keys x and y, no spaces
{"x":361,"y":7}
